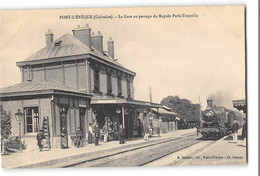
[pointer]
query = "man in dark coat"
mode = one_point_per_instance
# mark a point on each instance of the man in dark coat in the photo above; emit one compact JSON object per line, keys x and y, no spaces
{"x":79,"y":133}
{"x":40,"y":137}
{"x":244,"y":131}
{"x":121,"y":134}
{"x":97,"y":134}
{"x":64,"y":138}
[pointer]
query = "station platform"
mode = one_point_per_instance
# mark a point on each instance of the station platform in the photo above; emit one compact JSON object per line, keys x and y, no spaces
{"x":209,"y":153}
{"x":54,"y":157}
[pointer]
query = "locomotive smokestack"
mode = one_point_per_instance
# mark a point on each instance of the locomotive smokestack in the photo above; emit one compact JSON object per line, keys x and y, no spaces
{"x":209,"y":104}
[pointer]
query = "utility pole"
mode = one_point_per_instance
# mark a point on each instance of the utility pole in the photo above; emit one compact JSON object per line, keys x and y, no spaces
{"x":200,"y":115}
{"x":150,"y":94}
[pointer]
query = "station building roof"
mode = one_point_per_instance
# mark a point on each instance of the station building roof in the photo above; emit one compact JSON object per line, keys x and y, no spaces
{"x":68,"y":47}
{"x":35,"y":87}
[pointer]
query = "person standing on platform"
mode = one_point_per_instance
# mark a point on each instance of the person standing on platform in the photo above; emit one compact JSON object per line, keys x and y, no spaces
{"x":146,"y":132}
{"x":159,"y":126}
{"x":244,"y":133}
{"x":97,"y":134}
{"x":40,"y":137}
{"x":79,"y":136}
{"x":235,"y":128}
{"x":90,"y":133}
{"x":64,"y":139}
{"x":79,"y":133}
{"x":105,"y":132}
{"x":121,"y":134}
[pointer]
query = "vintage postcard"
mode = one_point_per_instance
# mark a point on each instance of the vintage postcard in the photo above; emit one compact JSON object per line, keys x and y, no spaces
{"x":111,"y":87}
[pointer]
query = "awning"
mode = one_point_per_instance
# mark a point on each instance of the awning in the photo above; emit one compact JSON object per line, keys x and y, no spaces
{"x":240,"y":105}
{"x":122,"y":101}
{"x":165,"y":112}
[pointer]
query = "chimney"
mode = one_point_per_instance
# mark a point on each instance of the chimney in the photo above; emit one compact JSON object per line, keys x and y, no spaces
{"x":83,"y":34}
{"x":49,"y":37}
{"x":97,"y":41}
{"x":110,"y":47}
{"x":209,"y":104}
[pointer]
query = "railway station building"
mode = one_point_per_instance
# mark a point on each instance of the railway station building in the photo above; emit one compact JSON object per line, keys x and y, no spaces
{"x":72,"y":82}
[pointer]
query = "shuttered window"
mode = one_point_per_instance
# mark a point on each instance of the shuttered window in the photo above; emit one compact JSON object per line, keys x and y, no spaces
{"x":128,"y":89}
{"x":96,"y":80}
{"x":119,"y":86}
{"x":109,"y":84}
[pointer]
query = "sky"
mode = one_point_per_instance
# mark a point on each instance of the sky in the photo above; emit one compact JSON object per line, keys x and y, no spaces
{"x":194,"y":58}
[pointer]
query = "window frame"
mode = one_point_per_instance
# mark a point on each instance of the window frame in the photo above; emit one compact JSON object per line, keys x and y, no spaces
{"x":34,"y":116}
{"x":109,"y":84}
{"x":128,"y":85}
{"x":96,"y":80}
{"x":119,"y":86}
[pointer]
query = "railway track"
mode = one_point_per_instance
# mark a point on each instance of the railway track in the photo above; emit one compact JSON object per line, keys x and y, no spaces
{"x":141,"y":155}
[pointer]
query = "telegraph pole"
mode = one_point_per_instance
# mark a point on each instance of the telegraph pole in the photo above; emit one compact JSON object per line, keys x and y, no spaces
{"x":150,"y":94}
{"x":200,"y":112}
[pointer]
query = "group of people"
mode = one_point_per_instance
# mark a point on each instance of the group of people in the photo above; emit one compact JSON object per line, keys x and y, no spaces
{"x":94,"y":133}
{"x":93,"y":136}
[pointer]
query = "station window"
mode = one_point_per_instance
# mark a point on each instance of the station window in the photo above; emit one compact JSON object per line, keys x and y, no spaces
{"x":32,"y":122}
{"x":119,"y":86}
{"x":128,"y":89}
{"x":109,"y":84}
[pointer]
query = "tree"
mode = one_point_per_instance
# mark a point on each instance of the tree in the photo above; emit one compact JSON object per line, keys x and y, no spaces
{"x":183,"y":107}
{"x":6,"y":124}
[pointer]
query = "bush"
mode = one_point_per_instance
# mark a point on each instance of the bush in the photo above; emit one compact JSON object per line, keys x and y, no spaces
{"x":14,"y":143}
{"x":6,"y":124}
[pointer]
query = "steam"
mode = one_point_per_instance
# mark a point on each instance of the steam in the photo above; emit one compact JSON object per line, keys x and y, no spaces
{"x":222,"y":98}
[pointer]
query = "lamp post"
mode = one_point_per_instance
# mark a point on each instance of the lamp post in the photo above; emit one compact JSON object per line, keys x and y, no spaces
{"x":177,"y":119}
{"x":18,"y":117}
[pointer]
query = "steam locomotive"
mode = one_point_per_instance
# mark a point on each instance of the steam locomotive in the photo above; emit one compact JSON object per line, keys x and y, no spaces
{"x":217,"y":121}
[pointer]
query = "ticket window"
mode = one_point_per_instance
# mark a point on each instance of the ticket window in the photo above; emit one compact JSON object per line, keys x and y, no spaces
{"x":32,"y":121}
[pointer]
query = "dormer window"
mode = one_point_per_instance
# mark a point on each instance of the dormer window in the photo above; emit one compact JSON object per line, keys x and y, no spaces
{"x":58,"y":43}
